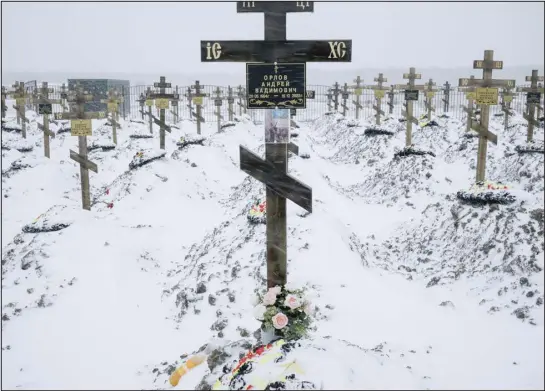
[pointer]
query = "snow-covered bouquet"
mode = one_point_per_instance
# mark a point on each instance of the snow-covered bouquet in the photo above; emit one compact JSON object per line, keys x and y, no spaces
{"x":286,"y":311}
{"x":488,"y":185}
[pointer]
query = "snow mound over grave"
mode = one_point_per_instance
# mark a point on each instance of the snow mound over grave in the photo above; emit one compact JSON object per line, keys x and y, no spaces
{"x":190,"y":139}
{"x":20,"y":145}
{"x":436,"y":139}
{"x":493,"y":253}
{"x":56,"y":218}
{"x":103,"y":144}
{"x":334,"y":140}
{"x":11,"y":127}
{"x":20,"y":164}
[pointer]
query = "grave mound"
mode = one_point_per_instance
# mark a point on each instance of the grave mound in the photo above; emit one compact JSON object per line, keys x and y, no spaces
{"x":143,"y":157}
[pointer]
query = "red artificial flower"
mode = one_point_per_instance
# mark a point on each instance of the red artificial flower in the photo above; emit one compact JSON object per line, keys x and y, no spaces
{"x":107,"y":191}
{"x":110,"y":205}
{"x":505,"y":187}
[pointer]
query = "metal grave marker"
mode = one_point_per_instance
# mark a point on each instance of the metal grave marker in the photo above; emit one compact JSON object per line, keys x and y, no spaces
{"x":533,"y":100}
{"x":486,"y":96}
{"x":276,"y":85}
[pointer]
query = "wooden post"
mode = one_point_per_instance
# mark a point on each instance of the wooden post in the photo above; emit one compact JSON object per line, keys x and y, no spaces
{"x":20,"y":102}
{"x":391,"y":100}
{"x":174,"y":103}
{"x":16,"y":92}
{"x":162,"y":100}
{"x":198,"y":99}
{"x":241,"y":94}
{"x":470,"y":96}
{"x":4,"y":107}
{"x":345,"y":95}
{"x":329,"y":100}
{"x":335,"y":91}
{"x":430,"y":93}
{"x":189,"y":96}
{"x":64,"y":96}
{"x":45,"y":108}
{"x":411,"y":94}
{"x":486,"y":94}
{"x":446,"y":97}
{"x":230,"y":101}
{"x":149,"y":103}
{"x":82,"y":127}
{"x":533,"y":99}
{"x":379,"y":91}
{"x":218,"y":100}
{"x":506,"y":99}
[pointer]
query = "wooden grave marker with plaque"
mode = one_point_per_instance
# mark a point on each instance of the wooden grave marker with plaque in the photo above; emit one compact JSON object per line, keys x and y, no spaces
{"x":533,"y":100}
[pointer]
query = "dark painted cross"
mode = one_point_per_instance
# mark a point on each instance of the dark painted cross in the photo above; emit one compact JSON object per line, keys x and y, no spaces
{"x":533,"y":99}
{"x":486,"y":94}
{"x":230,"y":101}
{"x":174,"y":102}
{"x":162,"y":103}
{"x":141,"y":101}
{"x":336,"y":91}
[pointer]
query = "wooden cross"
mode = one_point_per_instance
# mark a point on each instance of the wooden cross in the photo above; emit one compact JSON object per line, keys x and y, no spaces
{"x":391,"y":100}
{"x":141,"y":101}
{"x":470,"y":96}
{"x":506,"y":99}
{"x":329,"y":99}
{"x":198,"y":100}
{"x":64,"y":96}
{"x":241,"y":94}
{"x":273,"y":170}
{"x":344,"y":96}
{"x":189,"y":96}
{"x":446,"y":96}
{"x":533,"y":99}
{"x":218,"y":101}
{"x":486,"y":94}
{"x":20,"y":102}
{"x":335,"y":91}
{"x":112,"y":104}
{"x":174,"y":103}
{"x":430,"y":93}
{"x":411,"y":94}
{"x":82,"y":126}
{"x":33,"y":99}
{"x":162,"y":100}
{"x":358,"y":89}
{"x":379,"y":91}
{"x":45,"y":108}
{"x":149,"y":103}
{"x":230,"y":101}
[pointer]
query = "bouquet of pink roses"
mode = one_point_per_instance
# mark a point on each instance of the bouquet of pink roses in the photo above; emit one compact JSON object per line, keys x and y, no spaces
{"x":286,"y":311}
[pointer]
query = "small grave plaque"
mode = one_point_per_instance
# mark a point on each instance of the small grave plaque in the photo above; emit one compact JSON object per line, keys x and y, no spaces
{"x":276,"y":85}
{"x":81,"y":127}
{"x":45,"y":108}
{"x":486,"y":96}
{"x":533,"y":97}
{"x":411,"y":94}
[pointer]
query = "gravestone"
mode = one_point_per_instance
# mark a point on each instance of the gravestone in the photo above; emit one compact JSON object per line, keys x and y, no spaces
{"x":486,"y":94}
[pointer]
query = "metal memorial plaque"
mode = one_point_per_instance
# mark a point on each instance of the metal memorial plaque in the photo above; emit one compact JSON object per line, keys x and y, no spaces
{"x":217,"y":102}
{"x":45,"y":108}
{"x":162,"y":85}
{"x":174,"y":103}
{"x":161,"y":103}
{"x":276,"y":85}
{"x":335,"y":50}
{"x":508,"y":98}
{"x":533,"y":97}
{"x":430,"y":94}
{"x":277,"y":126}
{"x":380,"y":94}
{"x":344,"y":95}
{"x":293,"y":112}
{"x":230,"y":100}
{"x":81,"y":127}
{"x":486,"y":96}
{"x":197,"y":100}
{"x":20,"y":101}
{"x":311,"y":94}
{"x":112,"y":107}
{"x":411,"y":94}
{"x":149,"y":102}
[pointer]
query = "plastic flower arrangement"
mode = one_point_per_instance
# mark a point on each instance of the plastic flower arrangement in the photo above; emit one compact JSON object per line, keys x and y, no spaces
{"x":488,"y":185}
{"x":139,"y":154}
{"x":258,"y":212}
{"x":286,"y":311}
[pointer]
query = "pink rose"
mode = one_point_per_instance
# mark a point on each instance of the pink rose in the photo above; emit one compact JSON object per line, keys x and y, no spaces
{"x":269,"y":298}
{"x":292,"y":302}
{"x":279,"y":321}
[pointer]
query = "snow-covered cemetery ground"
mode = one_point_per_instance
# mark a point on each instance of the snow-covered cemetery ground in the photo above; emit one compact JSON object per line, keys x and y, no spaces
{"x":411,"y":288}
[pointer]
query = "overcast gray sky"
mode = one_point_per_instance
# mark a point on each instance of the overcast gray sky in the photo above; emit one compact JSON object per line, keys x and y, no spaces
{"x":164,"y":37}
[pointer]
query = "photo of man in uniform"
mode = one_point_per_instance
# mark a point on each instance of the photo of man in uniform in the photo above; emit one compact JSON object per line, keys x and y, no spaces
{"x":277,"y":126}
